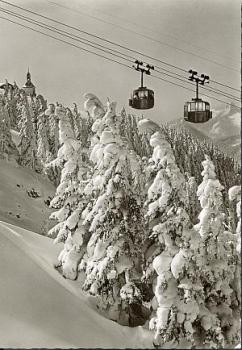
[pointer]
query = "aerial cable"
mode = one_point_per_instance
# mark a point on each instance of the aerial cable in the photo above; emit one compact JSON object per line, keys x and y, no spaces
{"x":90,"y":43}
{"x":64,"y":33}
{"x":65,"y":42}
{"x":183,"y":87}
{"x":150,"y":38}
{"x":102,"y":56}
{"x":228,"y":86}
{"x":106,"y":40}
{"x":96,"y":36}
{"x":144,"y":27}
{"x":216,"y":91}
{"x":185,"y":81}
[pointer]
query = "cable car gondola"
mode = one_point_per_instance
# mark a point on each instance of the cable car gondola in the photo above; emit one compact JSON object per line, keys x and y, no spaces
{"x":197,"y":111}
{"x":142,"y":98}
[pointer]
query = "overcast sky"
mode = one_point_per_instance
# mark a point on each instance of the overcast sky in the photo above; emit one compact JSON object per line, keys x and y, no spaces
{"x":206,"y":28}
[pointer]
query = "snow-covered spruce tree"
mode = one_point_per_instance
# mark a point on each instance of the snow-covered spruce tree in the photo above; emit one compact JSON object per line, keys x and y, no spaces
{"x":28,"y":143}
{"x":235,"y":195}
{"x":93,"y":106}
{"x":113,"y":263}
{"x":69,"y":199}
{"x":41,"y":103}
{"x":189,"y":153}
{"x":81,"y":125}
{"x":129,"y":129}
{"x":53,"y":135}
{"x":7,"y":146}
{"x":11,"y":106}
{"x":43,"y":148}
{"x":52,"y":169}
{"x":178,"y":291}
{"x":192,"y":204}
{"x":76,"y":120}
{"x":217,"y":262}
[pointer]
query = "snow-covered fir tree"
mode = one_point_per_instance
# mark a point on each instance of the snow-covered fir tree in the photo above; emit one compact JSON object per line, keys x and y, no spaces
{"x":76,"y":120}
{"x":113,"y":261}
{"x":192,"y":204}
{"x":235,"y":195}
{"x":129,"y":129}
{"x":82,"y":125}
{"x":216,"y":266}
{"x":177,"y":288}
{"x":28,"y":142}
{"x":43,"y":148}
{"x":93,"y":106}
{"x":7,"y":146}
{"x":52,"y":169}
{"x":189,"y":153}
{"x":69,"y":199}
{"x":11,"y":106}
{"x":53,"y":135}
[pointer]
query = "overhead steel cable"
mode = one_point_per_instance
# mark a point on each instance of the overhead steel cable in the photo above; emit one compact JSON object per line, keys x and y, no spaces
{"x":124,"y":20}
{"x":153,"y":39}
{"x":102,"y":56}
{"x":66,"y":42}
{"x":66,"y":34}
{"x":216,"y":91}
{"x":106,"y":40}
{"x":93,"y":35}
{"x":212,"y":97}
{"x":104,"y":49}
{"x":185,"y":80}
{"x":221,"y":84}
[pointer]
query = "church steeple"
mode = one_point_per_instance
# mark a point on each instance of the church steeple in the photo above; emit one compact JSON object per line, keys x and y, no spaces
{"x":29,"y":87}
{"x":28,"y":76}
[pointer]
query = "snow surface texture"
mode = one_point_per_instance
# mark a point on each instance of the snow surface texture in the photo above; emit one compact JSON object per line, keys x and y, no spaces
{"x":41,"y":309}
{"x":16,"y":205}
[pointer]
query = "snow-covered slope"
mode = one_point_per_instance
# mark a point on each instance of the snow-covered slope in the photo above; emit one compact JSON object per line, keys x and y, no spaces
{"x":18,"y":204}
{"x":39,"y":308}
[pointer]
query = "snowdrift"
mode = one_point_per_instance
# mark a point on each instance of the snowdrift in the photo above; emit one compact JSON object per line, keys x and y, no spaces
{"x":23,"y":196}
{"x":39,"y":308}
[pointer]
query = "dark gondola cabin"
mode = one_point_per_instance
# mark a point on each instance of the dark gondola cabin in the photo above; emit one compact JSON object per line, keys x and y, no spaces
{"x":197,"y":111}
{"x":142,"y":98}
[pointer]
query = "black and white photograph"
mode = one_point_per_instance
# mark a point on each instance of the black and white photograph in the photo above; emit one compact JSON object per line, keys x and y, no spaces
{"x":120,"y":174}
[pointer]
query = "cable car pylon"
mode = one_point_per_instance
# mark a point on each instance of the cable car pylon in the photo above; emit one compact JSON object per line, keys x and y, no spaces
{"x":197,"y":111}
{"x":142,"y":98}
